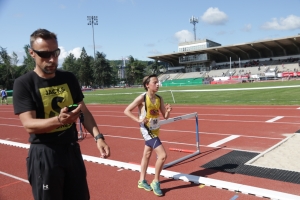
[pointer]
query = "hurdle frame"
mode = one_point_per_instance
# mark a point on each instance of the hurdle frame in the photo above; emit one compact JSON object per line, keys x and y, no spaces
{"x":197,"y":152}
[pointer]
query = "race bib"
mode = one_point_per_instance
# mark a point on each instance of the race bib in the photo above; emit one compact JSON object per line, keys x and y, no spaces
{"x":154,"y":123}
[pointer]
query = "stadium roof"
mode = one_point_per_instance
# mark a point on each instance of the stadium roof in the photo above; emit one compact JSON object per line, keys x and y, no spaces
{"x":288,"y":46}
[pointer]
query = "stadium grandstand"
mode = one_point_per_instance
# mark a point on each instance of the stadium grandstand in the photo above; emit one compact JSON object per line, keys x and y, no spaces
{"x":208,"y":62}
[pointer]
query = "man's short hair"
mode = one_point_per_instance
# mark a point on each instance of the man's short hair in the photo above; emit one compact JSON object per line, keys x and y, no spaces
{"x":42,"y":33}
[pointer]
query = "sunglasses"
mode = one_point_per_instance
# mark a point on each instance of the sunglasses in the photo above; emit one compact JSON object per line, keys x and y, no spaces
{"x":47,"y":54}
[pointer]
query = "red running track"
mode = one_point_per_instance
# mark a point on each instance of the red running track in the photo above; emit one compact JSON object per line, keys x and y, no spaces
{"x":247,"y":123}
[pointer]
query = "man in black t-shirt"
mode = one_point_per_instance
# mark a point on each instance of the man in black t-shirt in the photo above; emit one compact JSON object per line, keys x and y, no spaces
{"x":41,"y":98}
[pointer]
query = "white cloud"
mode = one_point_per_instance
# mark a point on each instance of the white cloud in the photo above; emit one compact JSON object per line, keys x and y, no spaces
{"x":247,"y":28}
{"x":184,"y":36}
{"x":76,"y":52}
{"x":214,"y":16}
{"x":63,"y":53}
{"x":291,"y":22}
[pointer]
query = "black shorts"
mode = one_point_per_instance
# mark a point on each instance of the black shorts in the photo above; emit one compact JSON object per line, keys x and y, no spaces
{"x":57,"y":172}
{"x":5,"y":97}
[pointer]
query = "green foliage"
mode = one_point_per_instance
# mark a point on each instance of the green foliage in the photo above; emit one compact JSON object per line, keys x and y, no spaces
{"x":7,"y":68}
{"x":135,"y":71}
{"x":115,"y":63}
{"x":70,"y":64}
{"x":85,"y":71}
{"x":102,"y":72}
{"x":29,"y":62}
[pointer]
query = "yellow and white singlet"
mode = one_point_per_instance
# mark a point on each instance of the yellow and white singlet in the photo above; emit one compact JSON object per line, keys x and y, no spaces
{"x":150,"y":111}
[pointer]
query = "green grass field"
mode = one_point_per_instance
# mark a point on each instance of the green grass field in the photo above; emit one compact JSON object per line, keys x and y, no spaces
{"x":257,"y":93}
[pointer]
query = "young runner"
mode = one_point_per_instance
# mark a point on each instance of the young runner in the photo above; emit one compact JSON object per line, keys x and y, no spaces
{"x":149,"y":106}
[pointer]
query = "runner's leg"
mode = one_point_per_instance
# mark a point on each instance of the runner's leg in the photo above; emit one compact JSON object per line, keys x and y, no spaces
{"x":145,"y":161}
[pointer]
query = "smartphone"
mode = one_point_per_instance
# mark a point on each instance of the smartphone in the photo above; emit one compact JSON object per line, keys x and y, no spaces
{"x":72,"y":107}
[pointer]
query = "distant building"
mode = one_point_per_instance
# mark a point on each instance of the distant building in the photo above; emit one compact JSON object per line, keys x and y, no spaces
{"x":205,"y":55}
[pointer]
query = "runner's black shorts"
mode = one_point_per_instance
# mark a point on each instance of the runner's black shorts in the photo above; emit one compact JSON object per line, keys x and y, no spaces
{"x":57,"y":171}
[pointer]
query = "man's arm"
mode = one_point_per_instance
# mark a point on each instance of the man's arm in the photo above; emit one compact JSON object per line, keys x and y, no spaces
{"x":91,"y":126}
{"x":36,"y":126}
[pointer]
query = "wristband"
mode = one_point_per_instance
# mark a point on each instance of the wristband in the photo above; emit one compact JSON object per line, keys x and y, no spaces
{"x":99,"y":136}
{"x":58,"y":119}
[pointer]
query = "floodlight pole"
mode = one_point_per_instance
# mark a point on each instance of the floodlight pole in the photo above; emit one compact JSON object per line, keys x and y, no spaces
{"x":194,"y":20}
{"x":93,"y":20}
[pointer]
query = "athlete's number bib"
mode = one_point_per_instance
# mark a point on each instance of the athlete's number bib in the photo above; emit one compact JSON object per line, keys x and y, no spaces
{"x":154,"y":123}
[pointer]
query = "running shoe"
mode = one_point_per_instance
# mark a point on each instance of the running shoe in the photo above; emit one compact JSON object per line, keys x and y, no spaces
{"x":145,"y":185}
{"x":156,"y":188}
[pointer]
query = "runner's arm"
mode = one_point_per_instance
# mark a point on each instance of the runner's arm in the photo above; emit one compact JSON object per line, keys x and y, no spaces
{"x":165,"y":109}
{"x":128,"y":110}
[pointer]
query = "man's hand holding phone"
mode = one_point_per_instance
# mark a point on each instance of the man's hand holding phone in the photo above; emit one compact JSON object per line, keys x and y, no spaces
{"x":70,"y":114}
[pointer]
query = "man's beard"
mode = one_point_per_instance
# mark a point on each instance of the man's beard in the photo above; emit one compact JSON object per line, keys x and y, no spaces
{"x":46,"y":71}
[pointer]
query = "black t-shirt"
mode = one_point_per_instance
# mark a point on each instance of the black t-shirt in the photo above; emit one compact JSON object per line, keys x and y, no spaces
{"x":47,"y":97}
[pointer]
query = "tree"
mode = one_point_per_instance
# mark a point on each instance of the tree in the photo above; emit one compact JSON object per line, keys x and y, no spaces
{"x":29,"y":63}
{"x":135,"y":71}
{"x":102,"y":70}
{"x":155,"y":67}
{"x":115,"y":79}
{"x":70,"y":64}
{"x":6,"y":79}
{"x":85,"y":64}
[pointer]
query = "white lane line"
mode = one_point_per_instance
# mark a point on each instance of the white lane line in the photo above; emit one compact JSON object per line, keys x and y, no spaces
{"x":218,"y":143}
{"x":274,"y":119}
{"x":235,"y":187}
{"x":15,"y":177}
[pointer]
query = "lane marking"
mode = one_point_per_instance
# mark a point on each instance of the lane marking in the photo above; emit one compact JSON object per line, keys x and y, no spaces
{"x":15,"y":177}
{"x":8,"y":142}
{"x":170,"y":130}
{"x":274,"y":119}
{"x":203,"y":119}
{"x":235,"y":187}
{"x":291,"y":107}
{"x":218,"y":143}
{"x":3,"y":186}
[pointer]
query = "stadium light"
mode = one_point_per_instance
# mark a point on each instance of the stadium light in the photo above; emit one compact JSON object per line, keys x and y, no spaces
{"x":194,"y":20}
{"x":93,"y":20}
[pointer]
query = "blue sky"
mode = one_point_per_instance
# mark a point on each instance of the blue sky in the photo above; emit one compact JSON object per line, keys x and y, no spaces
{"x":143,"y":28}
